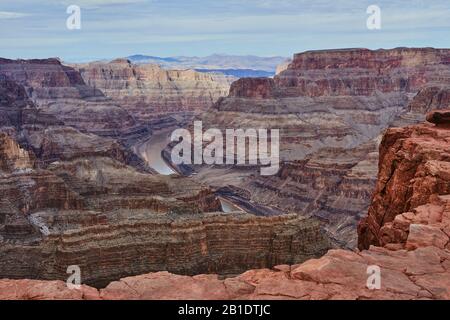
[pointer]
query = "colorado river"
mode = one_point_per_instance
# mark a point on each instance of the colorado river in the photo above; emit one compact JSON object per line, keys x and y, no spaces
{"x":227,"y":206}
{"x":150,"y":151}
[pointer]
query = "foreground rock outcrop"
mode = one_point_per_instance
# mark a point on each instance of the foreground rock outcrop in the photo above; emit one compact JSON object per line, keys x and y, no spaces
{"x":413,"y":171}
{"x":409,"y":221}
{"x":339,"y":275}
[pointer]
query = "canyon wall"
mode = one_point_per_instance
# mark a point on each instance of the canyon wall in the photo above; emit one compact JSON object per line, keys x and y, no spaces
{"x":331,"y":108}
{"x":18,"y":112}
{"x":413,"y":171}
{"x":113,"y":221}
{"x":115,"y":99}
{"x":71,"y":194}
{"x":148,"y":91}
{"x":110,"y":246}
{"x":61,"y":92}
{"x":408,"y":220}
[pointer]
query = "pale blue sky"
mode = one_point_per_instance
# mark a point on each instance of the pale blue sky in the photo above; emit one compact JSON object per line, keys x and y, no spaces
{"x":117,"y":28}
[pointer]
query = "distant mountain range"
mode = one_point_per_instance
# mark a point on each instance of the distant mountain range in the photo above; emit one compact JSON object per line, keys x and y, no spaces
{"x":230,"y":65}
{"x":139,"y":58}
{"x":240,"y":73}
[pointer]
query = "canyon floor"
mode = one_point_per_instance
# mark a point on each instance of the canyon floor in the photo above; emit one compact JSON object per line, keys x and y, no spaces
{"x":364,"y":180}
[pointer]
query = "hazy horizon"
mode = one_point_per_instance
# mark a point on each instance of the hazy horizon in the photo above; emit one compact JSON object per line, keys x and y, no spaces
{"x":108,"y":59}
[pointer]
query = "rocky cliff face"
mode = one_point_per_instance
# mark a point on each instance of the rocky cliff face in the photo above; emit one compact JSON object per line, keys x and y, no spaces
{"x":149,"y":92}
{"x":17,"y":111}
{"x":91,"y":210}
{"x":53,"y":135}
{"x":413,"y":171}
{"x":183,"y":244}
{"x":357,"y":72}
{"x":331,"y":108}
{"x":13,"y":157}
{"x":46,"y":78}
{"x":68,"y":195}
{"x":409,"y":220}
{"x":429,"y":98}
{"x":60,"y":91}
{"x":362,"y":72}
{"x":113,"y":221}
{"x":14,"y":101}
{"x":86,"y":198}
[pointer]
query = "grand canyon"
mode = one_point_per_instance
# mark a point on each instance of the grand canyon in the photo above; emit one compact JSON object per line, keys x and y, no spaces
{"x":87,"y":179}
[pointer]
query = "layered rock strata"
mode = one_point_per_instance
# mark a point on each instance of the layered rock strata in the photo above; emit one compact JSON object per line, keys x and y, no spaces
{"x":331,"y":108}
{"x":90,"y":210}
{"x":419,"y":272}
{"x":59,"y":92}
{"x":118,"y":99}
{"x":149,"y":92}
{"x":413,"y":258}
{"x":69,"y":196}
{"x":127,"y":242}
{"x":18,"y":112}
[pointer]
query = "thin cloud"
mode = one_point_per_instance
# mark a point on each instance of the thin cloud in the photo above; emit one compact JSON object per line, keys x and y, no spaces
{"x":202,"y":27}
{"x":12,"y":15}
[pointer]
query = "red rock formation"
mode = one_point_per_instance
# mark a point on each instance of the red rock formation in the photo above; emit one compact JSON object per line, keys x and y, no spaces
{"x":258,"y":88}
{"x":418,"y":274}
{"x":44,"y":290}
{"x":414,"y":260}
{"x":413,"y":169}
{"x":331,"y":108}
{"x":362,"y":72}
